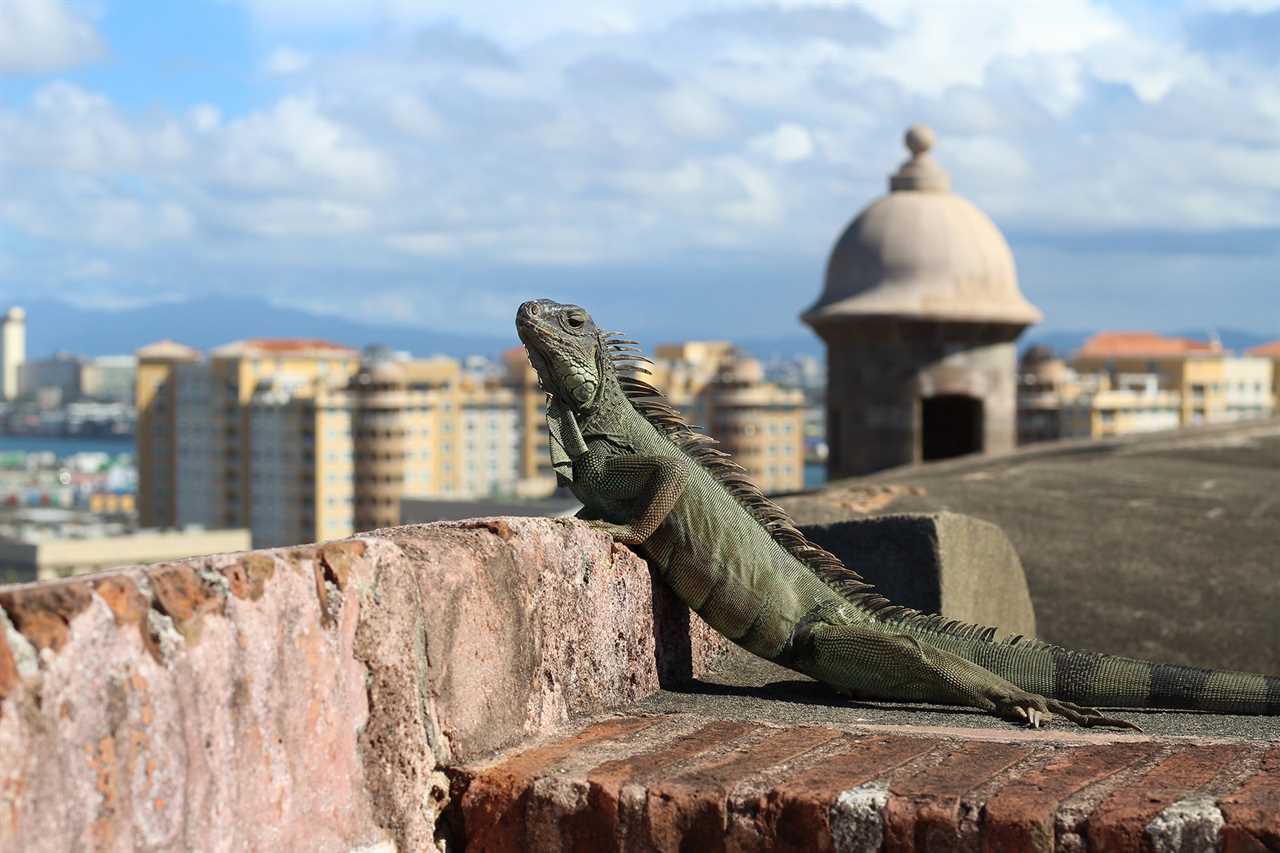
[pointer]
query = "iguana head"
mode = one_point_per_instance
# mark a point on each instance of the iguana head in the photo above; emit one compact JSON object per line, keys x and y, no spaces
{"x":567,"y":351}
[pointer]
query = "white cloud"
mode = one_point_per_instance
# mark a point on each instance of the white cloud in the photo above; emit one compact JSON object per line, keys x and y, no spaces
{"x":686,"y":179}
{"x":285,"y":60}
{"x":204,"y":117}
{"x":695,"y":114}
{"x":302,"y":217}
{"x":296,"y":143}
{"x":1253,"y":6}
{"x":427,"y":243}
{"x":413,"y":116}
{"x":758,"y":202}
{"x":44,"y":35}
{"x":630,"y":137}
{"x":787,"y":143}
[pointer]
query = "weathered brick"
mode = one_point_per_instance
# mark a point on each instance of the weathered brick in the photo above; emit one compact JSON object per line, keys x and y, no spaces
{"x":493,"y":805}
{"x":1120,"y":820}
{"x":1252,"y":812}
{"x":181,"y":594}
{"x":338,"y":557}
{"x":248,"y":576}
{"x":129,"y":607}
{"x":796,"y":815}
{"x":496,"y":526}
{"x":608,"y":819}
{"x":690,"y":811}
{"x":1019,"y":818}
{"x":124,"y":598}
{"x":41,"y":613}
{"x":923,"y":812}
{"x":8,"y":668}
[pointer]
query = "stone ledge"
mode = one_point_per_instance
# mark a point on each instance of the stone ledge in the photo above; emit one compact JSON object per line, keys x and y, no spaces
{"x":677,"y":782}
{"x":309,"y":698}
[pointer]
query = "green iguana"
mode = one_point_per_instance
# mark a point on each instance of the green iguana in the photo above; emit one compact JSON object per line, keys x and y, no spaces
{"x":654,"y":483}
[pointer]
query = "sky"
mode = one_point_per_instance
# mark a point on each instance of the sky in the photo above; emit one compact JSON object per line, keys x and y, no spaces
{"x":680,"y":169}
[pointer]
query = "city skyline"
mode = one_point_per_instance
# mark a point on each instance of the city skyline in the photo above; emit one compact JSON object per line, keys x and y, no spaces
{"x":404,"y":164}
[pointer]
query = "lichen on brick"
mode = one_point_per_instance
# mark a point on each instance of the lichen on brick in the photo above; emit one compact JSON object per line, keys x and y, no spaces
{"x":857,"y":818}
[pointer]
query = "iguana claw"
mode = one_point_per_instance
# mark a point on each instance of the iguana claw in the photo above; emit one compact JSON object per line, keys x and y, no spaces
{"x":1035,"y":711}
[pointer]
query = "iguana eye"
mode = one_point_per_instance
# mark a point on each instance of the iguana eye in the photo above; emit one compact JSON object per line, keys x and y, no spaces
{"x":575,"y":321}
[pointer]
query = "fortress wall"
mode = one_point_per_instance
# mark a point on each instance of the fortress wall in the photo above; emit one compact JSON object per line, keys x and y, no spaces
{"x":311,"y":698}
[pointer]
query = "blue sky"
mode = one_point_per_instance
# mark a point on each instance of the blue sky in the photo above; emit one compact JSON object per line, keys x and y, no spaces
{"x":682,"y":169}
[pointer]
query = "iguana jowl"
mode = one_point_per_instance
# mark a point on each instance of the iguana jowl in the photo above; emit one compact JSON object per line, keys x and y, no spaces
{"x":737,"y":560}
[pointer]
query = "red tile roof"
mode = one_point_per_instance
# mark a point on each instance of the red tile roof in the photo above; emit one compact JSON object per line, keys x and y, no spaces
{"x":1270,"y":350}
{"x":1120,"y":344}
{"x":295,"y":345}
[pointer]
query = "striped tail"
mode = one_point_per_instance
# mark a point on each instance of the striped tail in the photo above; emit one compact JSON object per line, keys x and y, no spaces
{"x":1108,"y":681}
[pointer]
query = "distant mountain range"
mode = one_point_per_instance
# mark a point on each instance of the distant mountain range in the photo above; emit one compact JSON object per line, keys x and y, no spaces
{"x":211,"y":321}
{"x":1065,"y":342}
{"x":207,"y":322}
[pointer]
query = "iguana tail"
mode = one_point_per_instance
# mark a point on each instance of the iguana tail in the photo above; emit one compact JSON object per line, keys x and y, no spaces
{"x":1100,"y":680}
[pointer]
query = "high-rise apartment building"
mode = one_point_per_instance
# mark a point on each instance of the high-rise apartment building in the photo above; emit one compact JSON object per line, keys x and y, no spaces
{"x":722,"y":390}
{"x":156,"y":395}
{"x":194,"y":433}
{"x":301,"y":441}
{"x":522,"y":379}
{"x":13,"y":352}
{"x":110,"y":377}
{"x":60,"y":374}
{"x":715,"y":386}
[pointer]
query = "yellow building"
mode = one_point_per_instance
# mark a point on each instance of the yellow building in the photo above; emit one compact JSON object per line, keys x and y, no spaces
{"x":1271,"y":352}
{"x":759,"y":424}
{"x":299,"y":441}
{"x":1055,"y":401}
{"x":156,"y":396}
{"x":536,"y":473}
{"x":1128,"y":382}
{"x":714,"y":386}
{"x":683,"y":369}
{"x":1213,"y":385}
{"x":1194,"y":369}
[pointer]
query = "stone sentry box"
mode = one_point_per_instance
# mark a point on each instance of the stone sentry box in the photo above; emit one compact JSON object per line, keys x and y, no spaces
{"x":919,"y":312}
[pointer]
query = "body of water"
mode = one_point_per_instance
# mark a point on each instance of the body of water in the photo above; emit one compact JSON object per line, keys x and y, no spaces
{"x":815,"y":474}
{"x":66,"y":445}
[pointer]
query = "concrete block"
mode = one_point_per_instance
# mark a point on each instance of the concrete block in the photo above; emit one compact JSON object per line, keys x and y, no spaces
{"x":956,"y":565}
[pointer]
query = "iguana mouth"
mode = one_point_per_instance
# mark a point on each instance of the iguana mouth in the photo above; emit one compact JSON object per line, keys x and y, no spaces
{"x":558,"y":376}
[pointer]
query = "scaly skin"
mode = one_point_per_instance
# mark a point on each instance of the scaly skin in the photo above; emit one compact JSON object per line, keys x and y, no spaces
{"x":732,"y":556}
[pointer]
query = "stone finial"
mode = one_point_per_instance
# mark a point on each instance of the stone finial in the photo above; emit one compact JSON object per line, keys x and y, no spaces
{"x":919,"y":138}
{"x":921,"y":172}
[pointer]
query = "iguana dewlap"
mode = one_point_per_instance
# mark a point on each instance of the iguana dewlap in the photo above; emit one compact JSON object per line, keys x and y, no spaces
{"x":736,"y":559}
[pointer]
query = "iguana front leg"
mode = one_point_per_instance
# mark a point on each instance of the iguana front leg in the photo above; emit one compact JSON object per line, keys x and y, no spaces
{"x":874,"y":662}
{"x":651,"y":485}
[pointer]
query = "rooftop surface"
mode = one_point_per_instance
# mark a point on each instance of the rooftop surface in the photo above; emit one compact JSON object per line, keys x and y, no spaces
{"x":1162,"y":547}
{"x":744,"y":687}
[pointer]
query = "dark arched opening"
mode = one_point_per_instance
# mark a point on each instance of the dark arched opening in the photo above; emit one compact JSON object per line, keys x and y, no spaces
{"x":950,"y":425}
